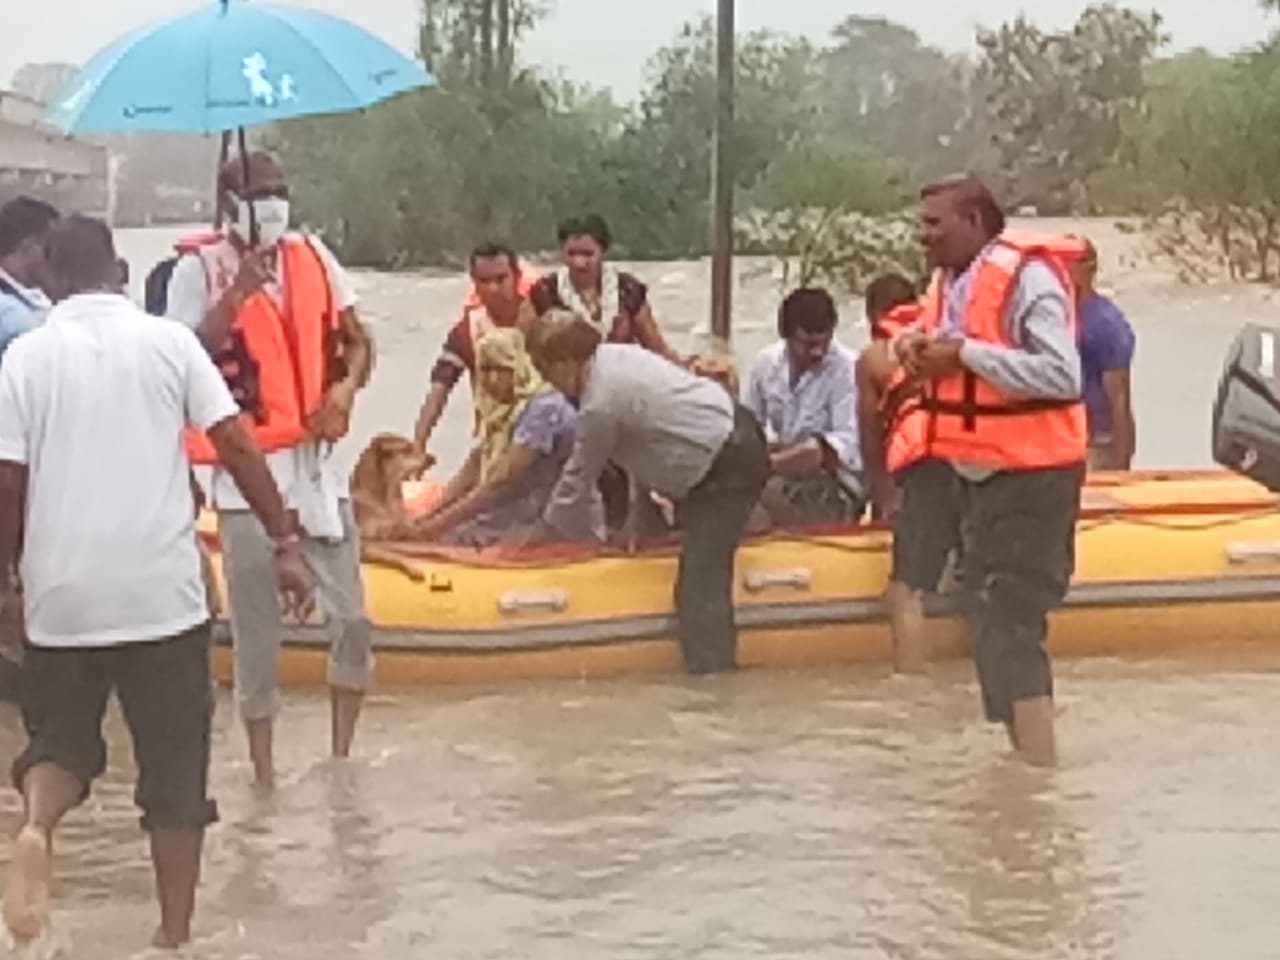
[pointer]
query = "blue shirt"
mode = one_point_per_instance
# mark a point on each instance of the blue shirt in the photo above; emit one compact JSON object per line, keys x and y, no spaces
{"x":1107,"y":343}
{"x":823,"y":403}
{"x":21,"y":309}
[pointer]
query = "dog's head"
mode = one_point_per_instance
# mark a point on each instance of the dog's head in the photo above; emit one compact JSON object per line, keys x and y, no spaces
{"x":386,"y":464}
{"x":719,"y":369}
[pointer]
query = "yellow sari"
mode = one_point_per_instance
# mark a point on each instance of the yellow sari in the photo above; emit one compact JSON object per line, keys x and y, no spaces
{"x":496,"y":419}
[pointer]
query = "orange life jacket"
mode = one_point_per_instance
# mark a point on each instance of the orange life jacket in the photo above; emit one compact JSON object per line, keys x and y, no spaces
{"x":280,"y":360}
{"x":962,"y":417}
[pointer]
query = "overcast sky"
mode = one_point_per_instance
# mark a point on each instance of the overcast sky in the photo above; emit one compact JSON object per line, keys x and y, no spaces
{"x":607,"y":42}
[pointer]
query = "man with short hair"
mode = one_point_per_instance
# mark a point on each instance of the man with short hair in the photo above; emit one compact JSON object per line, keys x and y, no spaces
{"x":803,"y":390}
{"x":998,"y":441}
{"x":111,"y":575}
{"x":24,"y":223}
{"x":278,"y":313}
{"x":1107,"y":345}
{"x":679,"y":435}
{"x":500,"y":284}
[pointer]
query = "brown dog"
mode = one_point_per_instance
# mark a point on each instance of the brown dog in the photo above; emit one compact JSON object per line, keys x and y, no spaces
{"x":378,"y":500}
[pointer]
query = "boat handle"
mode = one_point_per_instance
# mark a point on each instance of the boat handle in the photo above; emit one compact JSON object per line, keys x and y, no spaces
{"x":1253,"y":552}
{"x":527,"y":601}
{"x":799,"y":578}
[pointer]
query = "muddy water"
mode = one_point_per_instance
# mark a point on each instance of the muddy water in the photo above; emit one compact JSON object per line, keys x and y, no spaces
{"x":836,"y":814}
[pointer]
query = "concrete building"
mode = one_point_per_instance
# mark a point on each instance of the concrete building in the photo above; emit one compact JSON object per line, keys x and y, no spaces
{"x":38,"y":160}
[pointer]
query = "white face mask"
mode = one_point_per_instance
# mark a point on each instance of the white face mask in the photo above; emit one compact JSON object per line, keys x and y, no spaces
{"x":270,"y":215}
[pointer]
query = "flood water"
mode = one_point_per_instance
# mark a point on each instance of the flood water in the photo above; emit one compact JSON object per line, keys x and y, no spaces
{"x":838,"y":813}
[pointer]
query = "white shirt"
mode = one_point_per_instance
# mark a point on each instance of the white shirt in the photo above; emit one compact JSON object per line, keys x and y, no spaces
{"x":655,"y":420}
{"x":94,"y":402}
{"x":823,"y":402}
{"x":309,"y":477}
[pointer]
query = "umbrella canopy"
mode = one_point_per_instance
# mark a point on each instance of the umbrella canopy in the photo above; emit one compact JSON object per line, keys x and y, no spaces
{"x":231,"y":65}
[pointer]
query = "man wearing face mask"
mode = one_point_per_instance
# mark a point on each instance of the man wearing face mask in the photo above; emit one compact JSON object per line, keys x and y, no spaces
{"x":277,"y":311}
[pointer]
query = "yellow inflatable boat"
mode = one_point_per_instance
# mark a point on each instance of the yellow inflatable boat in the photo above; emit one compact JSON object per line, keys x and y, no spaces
{"x":1165,"y":561}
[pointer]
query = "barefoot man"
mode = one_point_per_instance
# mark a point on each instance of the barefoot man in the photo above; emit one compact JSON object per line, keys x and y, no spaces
{"x":94,"y":503}
{"x":1001,"y":417}
{"x":279,"y":314}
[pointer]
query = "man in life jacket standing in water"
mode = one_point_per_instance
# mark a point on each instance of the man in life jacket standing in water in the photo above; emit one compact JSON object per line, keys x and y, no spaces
{"x":278,"y":313}
{"x":1002,"y":416}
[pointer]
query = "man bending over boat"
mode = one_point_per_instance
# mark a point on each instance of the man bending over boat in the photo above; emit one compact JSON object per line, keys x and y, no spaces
{"x":95,"y":505}
{"x":1001,"y":419}
{"x":500,"y":285}
{"x":676,"y":433}
{"x":803,"y":390}
{"x":278,"y":313}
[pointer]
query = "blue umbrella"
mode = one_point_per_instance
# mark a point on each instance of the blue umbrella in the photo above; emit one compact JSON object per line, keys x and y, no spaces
{"x":232,"y":65}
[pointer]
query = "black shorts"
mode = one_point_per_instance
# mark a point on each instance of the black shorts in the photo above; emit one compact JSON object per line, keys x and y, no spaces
{"x":926,"y":523}
{"x":166,"y":694}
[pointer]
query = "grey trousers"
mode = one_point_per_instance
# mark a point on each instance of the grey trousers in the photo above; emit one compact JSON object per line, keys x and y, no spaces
{"x":256,"y":629}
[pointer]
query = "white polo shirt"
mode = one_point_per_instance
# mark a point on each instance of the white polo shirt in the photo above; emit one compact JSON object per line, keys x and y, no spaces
{"x":94,"y":402}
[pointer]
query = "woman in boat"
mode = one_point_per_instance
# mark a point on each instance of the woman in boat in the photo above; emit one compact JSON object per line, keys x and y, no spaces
{"x":525,"y":435}
{"x":612,"y":301}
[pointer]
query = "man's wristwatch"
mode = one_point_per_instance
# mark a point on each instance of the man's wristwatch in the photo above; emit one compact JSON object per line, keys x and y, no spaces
{"x":290,"y":541}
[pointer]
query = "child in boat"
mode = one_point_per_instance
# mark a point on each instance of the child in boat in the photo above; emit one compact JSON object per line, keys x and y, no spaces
{"x":525,"y":435}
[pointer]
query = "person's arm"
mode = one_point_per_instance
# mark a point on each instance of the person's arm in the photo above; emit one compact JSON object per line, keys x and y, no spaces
{"x":446,"y":373}
{"x":1046,"y":364}
{"x":209,"y":407}
{"x":462,"y":482}
{"x":14,"y":456}
{"x":188,"y":297}
{"x":503,"y":478}
{"x":569,"y":512}
{"x":649,"y":335}
{"x":873,"y":377}
{"x":1124,"y":430}
{"x":13,"y":511}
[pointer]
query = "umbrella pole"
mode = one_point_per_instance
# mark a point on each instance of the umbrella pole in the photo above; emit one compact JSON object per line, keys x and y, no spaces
{"x":244,"y":188}
{"x":224,"y":153}
{"x":722,"y":176}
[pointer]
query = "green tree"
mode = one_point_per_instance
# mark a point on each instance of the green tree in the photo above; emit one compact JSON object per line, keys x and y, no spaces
{"x":1065,"y":107}
{"x":1216,"y":158}
{"x":884,"y":88}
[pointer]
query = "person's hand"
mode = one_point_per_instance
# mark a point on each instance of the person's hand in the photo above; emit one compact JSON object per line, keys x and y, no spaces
{"x":255,"y":272}
{"x":427,"y":529}
{"x":908,"y":346}
{"x":294,"y":579}
{"x":332,"y":419}
{"x":938,"y":358}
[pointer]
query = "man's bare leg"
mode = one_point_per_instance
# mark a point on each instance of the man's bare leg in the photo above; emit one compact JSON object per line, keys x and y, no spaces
{"x":175,"y":854}
{"x":48,"y":792}
{"x":344,"y":707}
{"x":907,"y":624}
{"x":1033,"y":733}
{"x":261,"y":751}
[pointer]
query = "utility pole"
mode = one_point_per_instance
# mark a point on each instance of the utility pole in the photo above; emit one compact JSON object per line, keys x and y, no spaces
{"x":722,"y":175}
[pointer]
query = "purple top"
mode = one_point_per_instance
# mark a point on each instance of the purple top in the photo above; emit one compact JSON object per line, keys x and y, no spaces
{"x":546,"y":425}
{"x":1107,"y":343}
